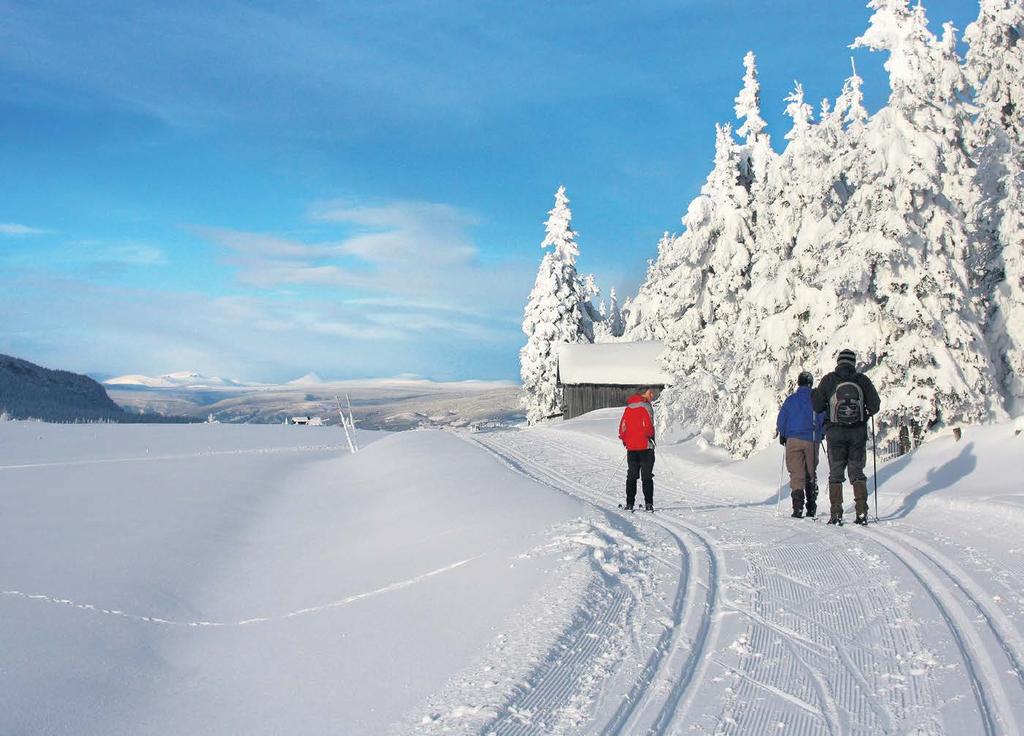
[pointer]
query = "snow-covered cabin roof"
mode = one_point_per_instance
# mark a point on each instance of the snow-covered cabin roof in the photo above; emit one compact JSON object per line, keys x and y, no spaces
{"x":612,"y":364}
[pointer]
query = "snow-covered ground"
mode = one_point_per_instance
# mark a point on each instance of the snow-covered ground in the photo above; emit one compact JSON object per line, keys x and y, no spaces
{"x":259,"y":579}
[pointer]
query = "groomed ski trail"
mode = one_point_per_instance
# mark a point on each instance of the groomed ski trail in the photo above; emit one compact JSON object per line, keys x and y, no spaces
{"x":656,"y":697}
{"x":782,"y":625}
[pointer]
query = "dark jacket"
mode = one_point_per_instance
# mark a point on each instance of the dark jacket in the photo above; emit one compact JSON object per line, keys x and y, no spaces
{"x":798,"y":419}
{"x":841,"y":374}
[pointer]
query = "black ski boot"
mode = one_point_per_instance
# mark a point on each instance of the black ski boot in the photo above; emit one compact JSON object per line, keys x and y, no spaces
{"x":812,"y":502}
{"x":836,"y":520}
{"x":648,"y":507}
{"x":862,"y":520}
{"x":797,"y":514}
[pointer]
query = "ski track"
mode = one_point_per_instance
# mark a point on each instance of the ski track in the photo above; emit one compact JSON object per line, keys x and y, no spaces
{"x":244,"y":622}
{"x":656,"y":698}
{"x":976,"y":647}
{"x":831,"y":643}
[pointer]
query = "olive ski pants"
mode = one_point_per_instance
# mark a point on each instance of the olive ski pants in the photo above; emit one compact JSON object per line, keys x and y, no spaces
{"x":802,"y":464}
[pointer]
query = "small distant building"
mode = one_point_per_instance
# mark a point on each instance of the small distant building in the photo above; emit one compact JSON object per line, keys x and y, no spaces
{"x":602,"y":375}
{"x":310,"y":421}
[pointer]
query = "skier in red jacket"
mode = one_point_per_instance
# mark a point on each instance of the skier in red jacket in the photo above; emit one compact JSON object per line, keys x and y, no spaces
{"x":636,"y":430}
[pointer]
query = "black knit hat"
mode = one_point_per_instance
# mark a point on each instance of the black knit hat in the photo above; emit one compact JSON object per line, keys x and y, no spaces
{"x":805,"y":379}
{"x":848,"y":357}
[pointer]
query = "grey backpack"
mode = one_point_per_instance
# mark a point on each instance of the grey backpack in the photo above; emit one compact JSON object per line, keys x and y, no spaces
{"x":846,"y":405}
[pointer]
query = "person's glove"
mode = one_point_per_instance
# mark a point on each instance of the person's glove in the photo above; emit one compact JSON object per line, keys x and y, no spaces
{"x":782,"y":440}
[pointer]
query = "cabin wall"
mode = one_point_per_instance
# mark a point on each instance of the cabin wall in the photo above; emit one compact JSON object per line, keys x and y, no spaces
{"x":580,"y":398}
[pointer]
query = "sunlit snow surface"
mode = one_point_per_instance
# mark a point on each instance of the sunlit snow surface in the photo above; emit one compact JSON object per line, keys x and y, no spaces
{"x":251,"y":579}
{"x":259,"y":579}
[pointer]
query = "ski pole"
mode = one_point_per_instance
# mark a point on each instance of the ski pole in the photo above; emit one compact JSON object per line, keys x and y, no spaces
{"x":874,"y":460}
{"x":782,"y":470}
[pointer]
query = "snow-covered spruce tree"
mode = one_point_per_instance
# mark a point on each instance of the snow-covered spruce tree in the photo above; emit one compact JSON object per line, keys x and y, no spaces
{"x":646,"y":314}
{"x":1006,"y":328}
{"x":995,"y":70}
{"x":610,"y":327}
{"x":616,"y":326}
{"x":786,"y":316}
{"x":712,"y":260}
{"x":995,"y":65}
{"x":758,"y":154}
{"x":558,"y":311}
{"x":707,"y":340}
{"x":776,"y":329}
{"x":900,"y":272}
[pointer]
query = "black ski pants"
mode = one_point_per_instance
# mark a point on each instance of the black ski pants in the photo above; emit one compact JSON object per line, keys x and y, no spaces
{"x":640,"y":463}
{"x":847,"y":452}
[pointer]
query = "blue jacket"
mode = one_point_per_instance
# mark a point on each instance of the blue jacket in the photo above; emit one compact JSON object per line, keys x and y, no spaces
{"x":795,"y":417}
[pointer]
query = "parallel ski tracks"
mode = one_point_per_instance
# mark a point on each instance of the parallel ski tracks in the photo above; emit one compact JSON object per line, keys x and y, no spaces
{"x":981,"y":631}
{"x":676,"y":661}
{"x":929,"y":567}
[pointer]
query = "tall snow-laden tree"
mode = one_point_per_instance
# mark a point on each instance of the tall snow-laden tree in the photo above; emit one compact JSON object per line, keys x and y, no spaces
{"x":995,"y":65}
{"x":558,"y":311}
{"x":711,"y":271}
{"x":615,"y":324}
{"x":1007,"y":326}
{"x":759,"y":153}
{"x":795,"y":207}
{"x":901,"y":269}
{"x":995,"y":70}
{"x":610,"y":328}
{"x":645,"y":315}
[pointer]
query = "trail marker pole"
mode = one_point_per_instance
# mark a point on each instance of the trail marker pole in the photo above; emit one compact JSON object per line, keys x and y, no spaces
{"x":352,"y":421}
{"x":344,"y":426}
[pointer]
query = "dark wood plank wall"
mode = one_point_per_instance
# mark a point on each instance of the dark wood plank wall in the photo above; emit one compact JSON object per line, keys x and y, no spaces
{"x":580,"y":398}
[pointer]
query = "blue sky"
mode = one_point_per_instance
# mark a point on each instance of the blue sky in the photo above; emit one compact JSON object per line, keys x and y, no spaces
{"x":259,"y":190}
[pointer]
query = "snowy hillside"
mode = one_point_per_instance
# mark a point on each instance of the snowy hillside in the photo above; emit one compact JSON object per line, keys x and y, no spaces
{"x":261,"y":580}
{"x":382,"y":403}
{"x":30,"y":390}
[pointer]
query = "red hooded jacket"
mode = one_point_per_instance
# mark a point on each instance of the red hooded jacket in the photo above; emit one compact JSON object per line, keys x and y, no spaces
{"x":636,"y":429}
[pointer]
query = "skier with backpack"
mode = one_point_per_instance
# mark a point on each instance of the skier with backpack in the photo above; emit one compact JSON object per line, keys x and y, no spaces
{"x":801,"y":429}
{"x":636,"y":430}
{"x":848,"y":399}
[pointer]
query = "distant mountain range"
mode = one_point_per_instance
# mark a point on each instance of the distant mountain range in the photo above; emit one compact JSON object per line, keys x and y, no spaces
{"x":196,"y":380}
{"x":182,"y":379}
{"x":29,"y":391}
{"x":400,"y":402}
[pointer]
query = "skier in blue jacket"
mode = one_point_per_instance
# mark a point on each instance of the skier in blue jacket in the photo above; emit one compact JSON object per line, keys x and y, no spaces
{"x":801,"y":430}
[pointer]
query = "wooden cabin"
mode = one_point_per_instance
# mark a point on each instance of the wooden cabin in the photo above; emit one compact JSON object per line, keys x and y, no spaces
{"x":603,"y":375}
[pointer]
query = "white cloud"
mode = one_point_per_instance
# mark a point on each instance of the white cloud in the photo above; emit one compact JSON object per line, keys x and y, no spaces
{"x":113,"y":254}
{"x":412,"y":253}
{"x":14,"y":229}
{"x":80,"y":325}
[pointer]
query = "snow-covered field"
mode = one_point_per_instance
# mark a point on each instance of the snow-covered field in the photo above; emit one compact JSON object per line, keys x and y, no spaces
{"x":260,"y":580}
